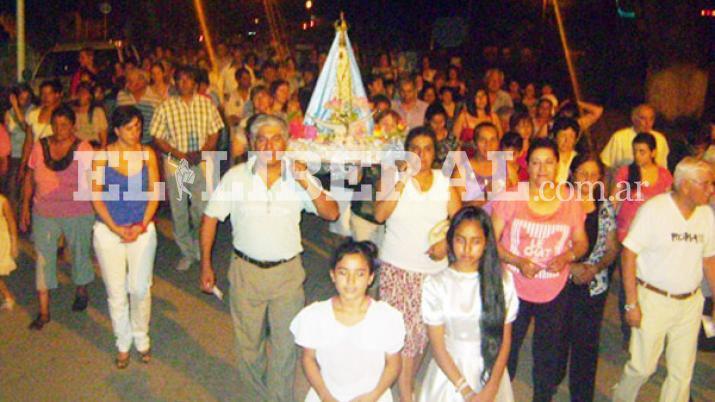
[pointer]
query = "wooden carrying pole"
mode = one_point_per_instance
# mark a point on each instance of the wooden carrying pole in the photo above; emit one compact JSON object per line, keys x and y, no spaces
{"x":569,"y":61}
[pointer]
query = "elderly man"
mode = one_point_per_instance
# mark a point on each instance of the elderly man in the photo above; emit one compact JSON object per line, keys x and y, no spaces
{"x":183,"y":126}
{"x":498,"y":98}
{"x":139,"y":94}
{"x":266,"y":272}
{"x":671,"y":243}
{"x":410,"y":108}
{"x":619,"y":150}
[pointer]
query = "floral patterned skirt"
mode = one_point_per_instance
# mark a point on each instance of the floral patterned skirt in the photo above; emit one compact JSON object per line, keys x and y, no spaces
{"x":403,"y":290}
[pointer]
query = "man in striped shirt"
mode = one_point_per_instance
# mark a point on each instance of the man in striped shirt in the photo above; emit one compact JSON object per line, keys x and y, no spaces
{"x":139,"y":94}
{"x":183,"y":126}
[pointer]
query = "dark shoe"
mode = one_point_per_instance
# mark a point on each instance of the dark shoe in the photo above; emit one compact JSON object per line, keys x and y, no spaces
{"x":39,"y":322}
{"x":122,"y":362}
{"x":145,"y":356}
{"x":80,"y":303}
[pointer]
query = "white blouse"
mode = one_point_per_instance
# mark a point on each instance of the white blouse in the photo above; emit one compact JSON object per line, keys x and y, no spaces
{"x":351,"y":358}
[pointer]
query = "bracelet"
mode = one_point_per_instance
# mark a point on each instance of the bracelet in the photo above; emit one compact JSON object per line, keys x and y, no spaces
{"x":461,"y":383}
{"x":629,"y":307}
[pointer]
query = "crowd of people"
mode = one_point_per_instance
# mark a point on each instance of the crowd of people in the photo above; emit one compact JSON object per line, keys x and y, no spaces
{"x":453,"y":269}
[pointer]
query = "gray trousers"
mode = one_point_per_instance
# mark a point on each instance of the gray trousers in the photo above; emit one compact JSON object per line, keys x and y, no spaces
{"x":46,"y":233}
{"x":186,"y":211}
{"x":261,"y":299}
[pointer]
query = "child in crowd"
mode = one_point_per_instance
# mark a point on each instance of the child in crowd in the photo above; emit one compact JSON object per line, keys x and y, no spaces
{"x":468,"y":309}
{"x":8,"y":249}
{"x":512,"y":142}
{"x":351,"y":343}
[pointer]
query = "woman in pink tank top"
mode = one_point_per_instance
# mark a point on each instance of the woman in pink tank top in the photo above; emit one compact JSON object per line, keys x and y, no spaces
{"x":539,"y":236}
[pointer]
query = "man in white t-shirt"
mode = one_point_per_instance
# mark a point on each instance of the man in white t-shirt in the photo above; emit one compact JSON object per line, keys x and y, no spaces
{"x":266,"y":272}
{"x":669,"y":247}
{"x":619,"y":150}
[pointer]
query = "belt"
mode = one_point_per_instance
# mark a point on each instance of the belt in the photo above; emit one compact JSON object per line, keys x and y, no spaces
{"x":258,"y":263}
{"x":662,"y":292}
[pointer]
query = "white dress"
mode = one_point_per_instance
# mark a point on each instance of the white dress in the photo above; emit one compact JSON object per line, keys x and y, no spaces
{"x":7,"y":263}
{"x":351,"y":358}
{"x":452,"y":299}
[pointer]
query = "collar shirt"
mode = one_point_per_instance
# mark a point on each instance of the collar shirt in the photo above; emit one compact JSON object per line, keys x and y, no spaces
{"x":186,"y":125}
{"x":265,"y":221}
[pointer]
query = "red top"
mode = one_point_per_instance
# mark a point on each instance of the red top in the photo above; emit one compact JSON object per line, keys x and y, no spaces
{"x":630,"y":206}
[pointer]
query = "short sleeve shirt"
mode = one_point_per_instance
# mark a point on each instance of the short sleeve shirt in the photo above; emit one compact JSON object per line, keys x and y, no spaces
{"x":671,"y":248}
{"x":186,"y":126}
{"x":55,"y":190}
{"x":538,"y":238}
{"x":265,"y":222}
{"x":351,"y":358}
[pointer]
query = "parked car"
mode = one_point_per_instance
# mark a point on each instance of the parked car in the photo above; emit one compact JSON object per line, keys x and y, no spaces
{"x":63,"y":60}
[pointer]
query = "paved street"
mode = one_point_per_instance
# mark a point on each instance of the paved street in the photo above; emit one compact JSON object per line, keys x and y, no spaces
{"x":193,"y":343}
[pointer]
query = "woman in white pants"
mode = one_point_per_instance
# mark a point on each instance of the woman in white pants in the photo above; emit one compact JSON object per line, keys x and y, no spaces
{"x":124,"y":235}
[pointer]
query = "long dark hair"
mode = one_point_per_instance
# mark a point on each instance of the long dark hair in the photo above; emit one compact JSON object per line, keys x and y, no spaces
{"x":491,"y":285}
{"x":471,"y":102}
{"x":634,"y":171}
{"x":367,"y":249}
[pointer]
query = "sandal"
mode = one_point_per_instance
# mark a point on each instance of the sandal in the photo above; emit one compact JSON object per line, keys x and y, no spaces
{"x":39,"y":322}
{"x":122,"y":363}
{"x":145,"y":356}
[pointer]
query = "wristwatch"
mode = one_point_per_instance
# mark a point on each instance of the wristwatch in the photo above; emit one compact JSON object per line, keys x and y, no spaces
{"x":629,"y":307}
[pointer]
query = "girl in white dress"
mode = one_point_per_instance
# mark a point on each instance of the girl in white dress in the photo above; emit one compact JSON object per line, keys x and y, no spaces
{"x":8,"y":250}
{"x":351,"y":343}
{"x":468,"y":309}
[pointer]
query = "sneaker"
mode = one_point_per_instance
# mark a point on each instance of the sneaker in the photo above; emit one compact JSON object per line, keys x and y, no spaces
{"x":8,"y":304}
{"x":184,"y":264}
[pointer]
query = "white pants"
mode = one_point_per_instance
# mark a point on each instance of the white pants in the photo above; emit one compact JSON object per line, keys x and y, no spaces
{"x":664,"y":319}
{"x":127,"y":269}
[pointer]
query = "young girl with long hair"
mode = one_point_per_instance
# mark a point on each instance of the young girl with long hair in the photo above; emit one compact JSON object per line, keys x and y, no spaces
{"x":351,"y":343}
{"x":468,"y":309}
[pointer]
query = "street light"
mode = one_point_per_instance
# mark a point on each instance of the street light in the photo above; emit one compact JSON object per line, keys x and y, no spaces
{"x":308,"y":4}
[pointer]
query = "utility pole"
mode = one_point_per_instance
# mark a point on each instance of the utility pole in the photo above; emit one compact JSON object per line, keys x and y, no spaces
{"x":20,"y":16}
